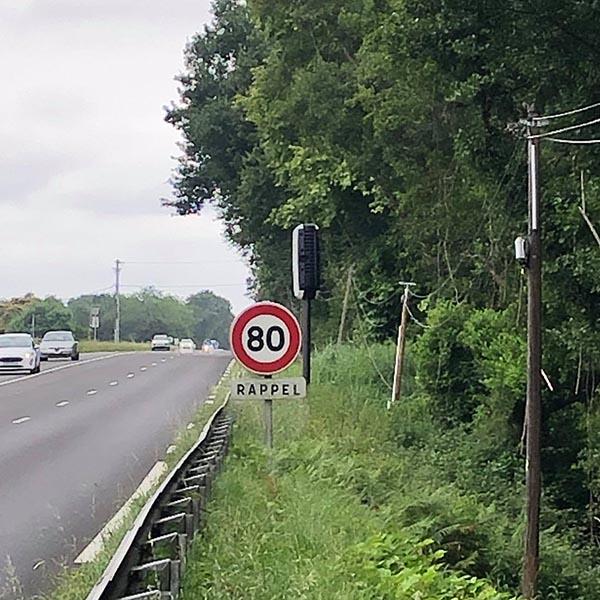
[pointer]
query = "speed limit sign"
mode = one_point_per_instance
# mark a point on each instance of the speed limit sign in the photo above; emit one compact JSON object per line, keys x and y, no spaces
{"x":265,"y":338}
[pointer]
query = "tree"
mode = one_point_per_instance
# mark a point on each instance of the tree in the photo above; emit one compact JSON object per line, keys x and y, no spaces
{"x":50,"y":314}
{"x":81,"y":308}
{"x":212,"y":317}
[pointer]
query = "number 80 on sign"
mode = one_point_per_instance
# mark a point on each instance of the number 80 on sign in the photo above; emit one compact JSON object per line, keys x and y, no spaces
{"x":265,"y":338}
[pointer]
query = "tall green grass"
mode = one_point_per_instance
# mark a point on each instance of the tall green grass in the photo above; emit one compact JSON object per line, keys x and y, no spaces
{"x":105,"y":346}
{"x":319,"y":518}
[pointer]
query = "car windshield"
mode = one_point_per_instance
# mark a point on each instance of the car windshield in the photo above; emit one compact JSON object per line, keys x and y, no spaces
{"x":161,"y":337}
{"x":15,"y":341}
{"x":57,"y":336}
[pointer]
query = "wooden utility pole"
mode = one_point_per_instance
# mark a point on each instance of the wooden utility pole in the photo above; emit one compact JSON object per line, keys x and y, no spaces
{"x":533,"y":411}
{"x":118,"y":264}
{"x":345,"y":305}
{"x":400,"y":345}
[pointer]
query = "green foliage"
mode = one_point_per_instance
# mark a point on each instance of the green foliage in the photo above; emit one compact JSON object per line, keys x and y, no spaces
{"x":395,"y":568}
{"x":385,"y":122}
{"x":212,"y":317}
{"x":49,"y":314}
{"x":202,"y":315}
{"x":328,"y":514}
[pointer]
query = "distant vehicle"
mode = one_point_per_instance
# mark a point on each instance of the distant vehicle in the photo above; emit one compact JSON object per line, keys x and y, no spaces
{"x":186,"y":345}
{"x":19,"y":352}
{"x":59,"y":344}
{"x":210,"y":345}
{"x":161,"y":341}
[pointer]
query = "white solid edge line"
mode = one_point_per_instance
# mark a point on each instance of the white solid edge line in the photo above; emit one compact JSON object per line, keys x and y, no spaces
{"x":69,"y":366}
{"x":91,"y":551}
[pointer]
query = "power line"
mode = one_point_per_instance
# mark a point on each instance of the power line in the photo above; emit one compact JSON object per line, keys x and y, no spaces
{"x":567,"y":113}
{"x":179,"y":262}
{"x":95,"y":292}
{"x":364,"y":336}
{"x":412,"y":316}
{"x":562,"y":130}
{"x":204,"y":285}
{"x":575,"y":142}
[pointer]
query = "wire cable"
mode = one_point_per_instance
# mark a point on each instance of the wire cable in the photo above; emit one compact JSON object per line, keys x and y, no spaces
{"x":567,"y":113}
{"x":412,"y":316}
{"x":204,"y":285}
{"x":562,"y":130}
{"x":96,"y":292}
{"x":179,"y":262}
{"x":364,"y":337}
{"x":575,"y":142}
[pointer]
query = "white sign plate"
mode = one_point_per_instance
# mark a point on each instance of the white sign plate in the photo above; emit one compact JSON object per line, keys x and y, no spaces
{"x":268,"y":389}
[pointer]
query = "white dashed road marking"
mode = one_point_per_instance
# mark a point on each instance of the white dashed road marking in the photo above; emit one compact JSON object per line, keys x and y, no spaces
{"x":163,"y":360}
{"x":171,"y":449}
{"x":113,"y":383}
{"x":143,"y":368}
{"x":92,"y":392}
{"x":153,"y":364}
{"x":62,"y":367}
{"x":130,"y":375}
{"x":61,"y":404}
{"x":21,"y":420}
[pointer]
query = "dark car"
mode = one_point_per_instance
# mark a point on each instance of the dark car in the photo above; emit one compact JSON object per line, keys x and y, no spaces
{"x":59,"y":344}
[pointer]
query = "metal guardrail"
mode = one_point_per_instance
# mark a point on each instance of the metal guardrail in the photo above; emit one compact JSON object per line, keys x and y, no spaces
{"x":150,"y":560}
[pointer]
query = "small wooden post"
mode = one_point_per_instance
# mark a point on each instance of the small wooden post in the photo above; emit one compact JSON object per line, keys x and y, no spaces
{"x":400,"y":346}
{"x":345,"y":305}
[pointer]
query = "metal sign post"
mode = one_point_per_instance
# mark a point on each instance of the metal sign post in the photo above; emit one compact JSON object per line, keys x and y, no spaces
{"x":268,"y":412}
{"x":266,"y":339}
{"x":306,"y":276}
{"x":95,"y":321}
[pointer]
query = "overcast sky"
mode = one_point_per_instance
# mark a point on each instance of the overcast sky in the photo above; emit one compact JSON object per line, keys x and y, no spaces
{"x":85,"y":154}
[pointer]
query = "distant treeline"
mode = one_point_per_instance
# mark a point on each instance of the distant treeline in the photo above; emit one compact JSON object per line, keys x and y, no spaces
{"x":202,"y":315}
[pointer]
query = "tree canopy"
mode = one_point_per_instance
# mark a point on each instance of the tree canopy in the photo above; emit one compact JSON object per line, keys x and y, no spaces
{"x":394,"y":126}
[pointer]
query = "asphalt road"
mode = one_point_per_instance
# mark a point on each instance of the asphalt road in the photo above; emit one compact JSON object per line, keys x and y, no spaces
{"x":76,"y":441}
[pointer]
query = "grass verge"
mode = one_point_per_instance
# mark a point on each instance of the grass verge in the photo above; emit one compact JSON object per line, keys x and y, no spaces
{"x":92,"y":346}
{"x":317,"y":518}
{"x":76,"y":583}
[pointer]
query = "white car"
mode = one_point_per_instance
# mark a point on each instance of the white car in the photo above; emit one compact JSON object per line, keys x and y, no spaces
{"x":18,"y":352}
{"x":186,"y":346}
{"x":161,"y":342}
{"x":59,"y":344}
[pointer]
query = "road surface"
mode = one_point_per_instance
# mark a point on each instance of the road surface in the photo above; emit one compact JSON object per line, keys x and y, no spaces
{"x":76,"y":441}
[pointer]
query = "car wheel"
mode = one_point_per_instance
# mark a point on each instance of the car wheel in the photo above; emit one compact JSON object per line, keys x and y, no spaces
{"x":35,"y":370}
{"x":75,"y":356}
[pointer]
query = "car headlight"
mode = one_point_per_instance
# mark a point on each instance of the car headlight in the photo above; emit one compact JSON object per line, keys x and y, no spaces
{"x":28,"y":355}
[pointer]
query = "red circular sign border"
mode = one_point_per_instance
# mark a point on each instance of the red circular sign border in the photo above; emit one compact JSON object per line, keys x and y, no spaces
{"x":276,"y":310}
